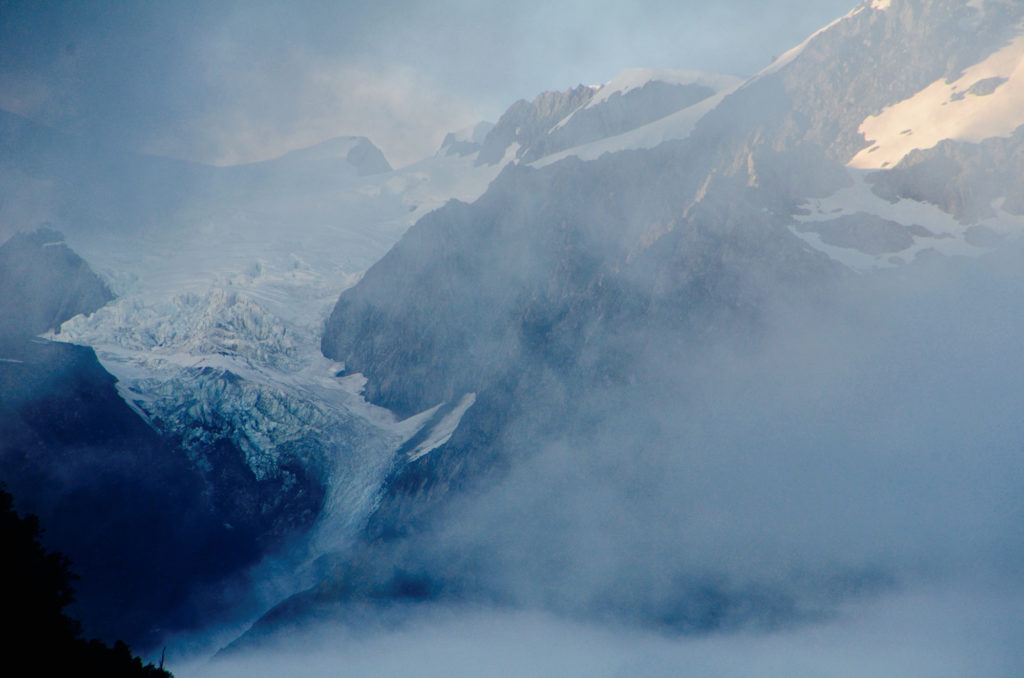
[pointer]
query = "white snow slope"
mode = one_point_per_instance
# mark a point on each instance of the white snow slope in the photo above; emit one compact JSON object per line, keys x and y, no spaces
{"x":677,"y":125}
{"x":986,"y":101}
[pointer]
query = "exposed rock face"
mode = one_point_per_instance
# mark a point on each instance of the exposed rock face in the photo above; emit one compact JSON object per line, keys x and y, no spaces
{"x":532,"y":297}
{"x":43,"y":283}
{"x":528,"y":297}
{"x":466,"y":142}
{"x":367,"y":158}
{"x":866,"y":233}
{"x":985,"y":86}
{"x":469,"y":283}
{"x":526,"y":122}
{"x":147,"y":530}
{"x":619,"y":113}
{"x":964,"y":179}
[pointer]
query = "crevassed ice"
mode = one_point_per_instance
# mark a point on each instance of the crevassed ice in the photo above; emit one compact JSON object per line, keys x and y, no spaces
{"x":216,"y":329}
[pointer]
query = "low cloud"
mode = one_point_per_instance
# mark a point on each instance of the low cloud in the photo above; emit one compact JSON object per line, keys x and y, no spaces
{"x":851,"y":482}
{"x":860,"y":445}
{"x":238,"y":83}
{"x":308,"y":99}
{"x":918,"y":634}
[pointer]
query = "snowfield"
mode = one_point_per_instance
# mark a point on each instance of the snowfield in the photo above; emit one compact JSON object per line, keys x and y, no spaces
{"x":986,"y":101}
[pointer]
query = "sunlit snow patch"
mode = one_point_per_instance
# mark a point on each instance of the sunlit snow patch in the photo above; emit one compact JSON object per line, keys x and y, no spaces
{"x":987,"y":101}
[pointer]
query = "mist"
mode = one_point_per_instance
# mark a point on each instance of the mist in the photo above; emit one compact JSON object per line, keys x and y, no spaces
{"x":236,"y":83}
{"x":915,"y":634}
{"x":877,"y":436}
{"x":631,"y":416}
{"x":844,"y":498}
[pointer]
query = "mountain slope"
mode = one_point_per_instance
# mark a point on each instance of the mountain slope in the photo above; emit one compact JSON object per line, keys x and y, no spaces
{"x":559,"y":124}
{"x":42,"y":284}
{"x":221,"y":298}
{"x":127,"y":506}
{"x":559,"y":388}
{"x":581,"y":279}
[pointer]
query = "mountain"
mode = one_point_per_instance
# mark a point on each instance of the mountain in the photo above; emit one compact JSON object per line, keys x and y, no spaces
{"x":556,"y":121}
{"x":466,"y":141}
{"x":566,"y":306}
{"x":178,"y":410}
{"x":676,"y":352}
{"x":214,"y":335}
{"x":359,"y":153}
{"x":203,"y":376}
{"x":128,"y":507}
{"x":43,"y":283}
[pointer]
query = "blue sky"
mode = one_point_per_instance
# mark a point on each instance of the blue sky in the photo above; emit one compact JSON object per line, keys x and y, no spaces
{"x":228,"y":82}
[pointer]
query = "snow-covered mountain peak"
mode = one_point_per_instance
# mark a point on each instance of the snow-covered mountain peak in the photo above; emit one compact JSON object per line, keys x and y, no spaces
{"x":588,"y":121}
{"x":529,"y":124}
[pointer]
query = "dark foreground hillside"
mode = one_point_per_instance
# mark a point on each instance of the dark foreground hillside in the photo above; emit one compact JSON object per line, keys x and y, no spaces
{"x":35,"y":633}
{"x":126,"y":504}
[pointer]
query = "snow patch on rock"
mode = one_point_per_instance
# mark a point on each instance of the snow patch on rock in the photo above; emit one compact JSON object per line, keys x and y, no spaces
{"x":931,"y":229}
{"x":986,"y":101}
{"x":445,"y":429}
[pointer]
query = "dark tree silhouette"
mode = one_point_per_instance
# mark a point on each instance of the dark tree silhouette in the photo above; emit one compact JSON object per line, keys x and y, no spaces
{"x":36,"y":637}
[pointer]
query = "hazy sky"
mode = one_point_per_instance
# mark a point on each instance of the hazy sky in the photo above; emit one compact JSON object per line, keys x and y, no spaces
{"x":229,"y":82}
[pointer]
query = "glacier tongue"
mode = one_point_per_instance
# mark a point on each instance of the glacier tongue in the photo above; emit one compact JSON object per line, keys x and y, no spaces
{"x":215,"y":332}
{"x":222,"y":298}
{"x":203,"y":367}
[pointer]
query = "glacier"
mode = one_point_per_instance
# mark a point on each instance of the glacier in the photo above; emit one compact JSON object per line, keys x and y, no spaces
{"x":220,"y":305}
{"x":215,"y":329}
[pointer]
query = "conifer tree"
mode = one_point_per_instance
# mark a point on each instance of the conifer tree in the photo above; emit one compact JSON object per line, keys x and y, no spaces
{"x":37,"y":638}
